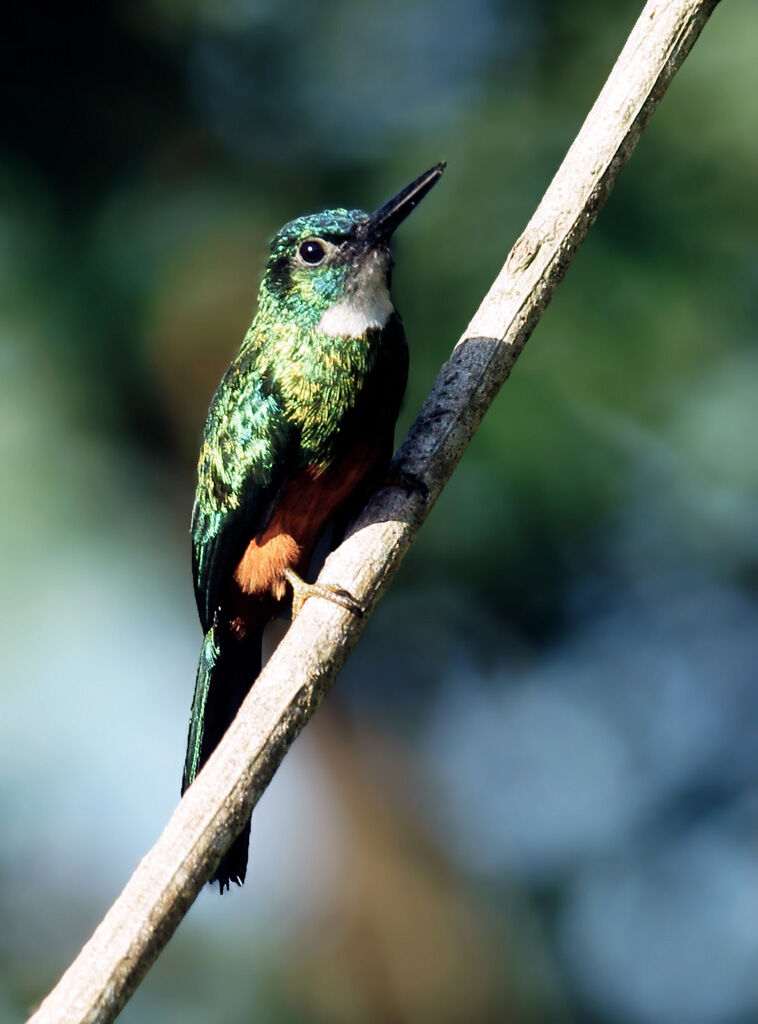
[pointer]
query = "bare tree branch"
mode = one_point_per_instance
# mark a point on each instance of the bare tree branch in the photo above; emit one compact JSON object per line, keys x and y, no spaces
{"x":288,"y":691}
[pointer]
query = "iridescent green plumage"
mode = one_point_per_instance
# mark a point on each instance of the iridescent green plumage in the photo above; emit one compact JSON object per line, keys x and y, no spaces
{"x":299,"y":430}
{"x":290,"y":396}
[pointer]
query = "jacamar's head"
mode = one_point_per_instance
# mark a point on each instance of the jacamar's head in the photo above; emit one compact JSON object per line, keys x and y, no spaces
{"x":330,"y":271}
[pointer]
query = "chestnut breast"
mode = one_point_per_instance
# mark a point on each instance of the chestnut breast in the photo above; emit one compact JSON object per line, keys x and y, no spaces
{"x":307,"y":503}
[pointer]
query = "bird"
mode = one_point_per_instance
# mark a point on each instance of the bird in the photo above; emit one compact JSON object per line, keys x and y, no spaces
{"x":299,"y":433}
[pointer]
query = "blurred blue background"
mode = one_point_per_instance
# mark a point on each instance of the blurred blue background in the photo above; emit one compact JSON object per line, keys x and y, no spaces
{"x":532,"y":796}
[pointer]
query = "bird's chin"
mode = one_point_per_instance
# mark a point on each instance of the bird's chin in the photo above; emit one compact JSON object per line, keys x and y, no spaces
{"x":372,"y":270}
{"x":366,"y":305}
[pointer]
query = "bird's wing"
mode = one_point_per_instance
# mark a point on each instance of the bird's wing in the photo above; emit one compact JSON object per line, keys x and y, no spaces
{"x":247,"y":450}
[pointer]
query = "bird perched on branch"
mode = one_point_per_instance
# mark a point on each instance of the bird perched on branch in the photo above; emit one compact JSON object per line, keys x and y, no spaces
{"x":299,"y":432}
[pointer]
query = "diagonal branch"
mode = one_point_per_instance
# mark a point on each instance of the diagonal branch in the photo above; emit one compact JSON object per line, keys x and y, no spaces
{"x":288,"y":691}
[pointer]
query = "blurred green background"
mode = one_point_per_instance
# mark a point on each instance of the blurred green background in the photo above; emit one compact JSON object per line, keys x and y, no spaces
{"x":532,"y":796}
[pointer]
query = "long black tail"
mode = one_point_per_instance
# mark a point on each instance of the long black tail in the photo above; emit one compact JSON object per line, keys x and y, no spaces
{"x":225,"y":673}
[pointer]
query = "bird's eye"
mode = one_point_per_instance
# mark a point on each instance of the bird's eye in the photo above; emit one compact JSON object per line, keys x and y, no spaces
{"x":312,"y":252}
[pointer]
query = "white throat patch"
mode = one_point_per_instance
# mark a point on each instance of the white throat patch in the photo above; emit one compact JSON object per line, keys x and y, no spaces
{"x":367,"y":305}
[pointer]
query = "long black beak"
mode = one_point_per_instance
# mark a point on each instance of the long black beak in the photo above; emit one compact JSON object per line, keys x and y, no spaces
{"x":382,"y":223}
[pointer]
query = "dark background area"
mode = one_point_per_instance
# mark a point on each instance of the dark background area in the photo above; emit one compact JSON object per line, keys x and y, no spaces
{"x":532,"y":794}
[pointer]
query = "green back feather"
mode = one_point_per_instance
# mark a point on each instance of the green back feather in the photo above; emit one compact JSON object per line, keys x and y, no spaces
{"x":208,"y":658}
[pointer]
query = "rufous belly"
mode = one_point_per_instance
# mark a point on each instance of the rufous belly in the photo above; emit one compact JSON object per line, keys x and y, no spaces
{"x":307,"y":503}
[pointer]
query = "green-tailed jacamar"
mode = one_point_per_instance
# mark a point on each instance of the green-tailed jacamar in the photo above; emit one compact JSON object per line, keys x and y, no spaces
{"x":299,"y":432}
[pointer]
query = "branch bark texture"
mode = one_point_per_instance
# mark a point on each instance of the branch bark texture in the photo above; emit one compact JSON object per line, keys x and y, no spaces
{"x":292,"y":685}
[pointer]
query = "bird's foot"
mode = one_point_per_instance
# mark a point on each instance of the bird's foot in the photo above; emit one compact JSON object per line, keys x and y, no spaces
{"x":301,"y":591}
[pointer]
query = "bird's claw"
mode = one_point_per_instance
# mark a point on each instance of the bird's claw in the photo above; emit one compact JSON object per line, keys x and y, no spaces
{"x":301,"y":591}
